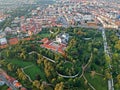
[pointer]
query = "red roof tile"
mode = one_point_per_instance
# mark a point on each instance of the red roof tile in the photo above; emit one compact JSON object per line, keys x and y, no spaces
{"x":17,"y":84}
{"x":9,"y":88}
{"x":3,"y":46}
{"x":45,"y":40}
{"x":58,"y":49}
{"x":11,"y":79}
{"x":32,"y":29}
{"x":23,"y":88}
{"x":13,"y":41}
{"x":27,"y":39}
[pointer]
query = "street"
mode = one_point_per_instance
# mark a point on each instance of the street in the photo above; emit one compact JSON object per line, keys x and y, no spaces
{"x":9,"y":84}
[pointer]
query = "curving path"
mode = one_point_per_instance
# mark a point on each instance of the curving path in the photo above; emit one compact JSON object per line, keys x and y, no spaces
{"x":43,"y":56}
{"x":76,"y":75}
{"x":26,"y":74}
{"x":65,"y":76}
{"x":68,"y":76}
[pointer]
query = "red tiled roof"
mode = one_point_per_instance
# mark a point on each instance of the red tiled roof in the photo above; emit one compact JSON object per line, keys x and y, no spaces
{"x":59,"y":49}
{"x":44,"y":40}
{"x":27,"y":39}
{"x":118,"y":22}
{"x":9,"y":88}
{"x":17,"y":84}
{"x":23,"y":28}
{"x":13,"y":41}
{"x":48,"y":42}
{"x":3,"y":46}
{"x":23,"y":88}
{"x":11,"y":79}
{"x":32,"y":29}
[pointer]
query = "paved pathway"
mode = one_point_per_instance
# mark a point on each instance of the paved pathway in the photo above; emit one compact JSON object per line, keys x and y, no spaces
{"x":43,"y":56}
{"x":106,"y":50}
{"x":26,"y":75}
{"x":68,"y":76}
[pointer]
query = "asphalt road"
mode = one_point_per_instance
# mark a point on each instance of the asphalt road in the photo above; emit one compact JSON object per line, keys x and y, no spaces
{"x":9,"y":84}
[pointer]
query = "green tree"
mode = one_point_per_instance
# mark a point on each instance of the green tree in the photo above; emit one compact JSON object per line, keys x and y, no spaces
{"x":108,"y":75}
{"x":117,"y":85}
{"x":59,"y":86}
{"x":10,"y":67}
{"x":21,"y":75}
{"x":36,"y":83}
{"x":43,"y":87}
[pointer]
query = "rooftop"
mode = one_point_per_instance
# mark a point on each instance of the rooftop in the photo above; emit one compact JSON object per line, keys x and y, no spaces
{"x":13,"y":41}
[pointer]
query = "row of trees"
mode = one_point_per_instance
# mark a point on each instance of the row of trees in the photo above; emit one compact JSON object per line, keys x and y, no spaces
{"x":114,"y":43}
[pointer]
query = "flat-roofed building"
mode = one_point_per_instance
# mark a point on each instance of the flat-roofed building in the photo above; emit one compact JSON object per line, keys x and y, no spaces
{"x":3,"y":41}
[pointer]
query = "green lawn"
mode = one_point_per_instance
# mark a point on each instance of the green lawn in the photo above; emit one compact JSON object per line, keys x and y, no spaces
{"x":4,"y":87}
{"x":68,"y":65}
{"x":19,"y":63}
{"x":31,"y":71}
{"x":44,"y":35}
{"x":97,"y":82}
